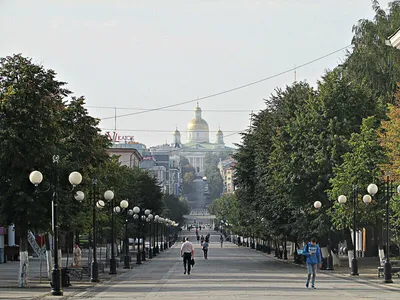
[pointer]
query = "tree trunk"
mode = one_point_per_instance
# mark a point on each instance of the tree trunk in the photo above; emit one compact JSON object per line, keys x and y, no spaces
{"x":24,"y":260}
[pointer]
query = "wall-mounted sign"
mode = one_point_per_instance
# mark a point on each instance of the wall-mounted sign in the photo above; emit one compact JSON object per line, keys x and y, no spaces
{"x":149,"y":157}
{"x":115,"y":137}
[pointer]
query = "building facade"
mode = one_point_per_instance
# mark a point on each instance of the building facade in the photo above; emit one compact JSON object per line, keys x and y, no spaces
{"x":198,"y":143}
{"x":227,"y":170}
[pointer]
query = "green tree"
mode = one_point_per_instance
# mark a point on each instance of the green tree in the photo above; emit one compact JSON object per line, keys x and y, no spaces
{"x":361,"y":166}
{"x":175,"y":208}
{"x":226,"y":208}
{"x":214,"y":181}
{"x":188,"y":174}
{"x":31,"y":104}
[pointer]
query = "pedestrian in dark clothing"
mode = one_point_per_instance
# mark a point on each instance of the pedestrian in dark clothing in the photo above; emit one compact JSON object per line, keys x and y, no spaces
{"x":205,"y":250}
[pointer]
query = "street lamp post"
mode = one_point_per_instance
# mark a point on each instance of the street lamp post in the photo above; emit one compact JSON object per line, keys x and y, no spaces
{"x":145,"y":214}
{"x":167,"y":221}
{"x":124,"y":205}
{"x":388,"y":194}
{"x":161,"y":221}
{"x":329,"y":259}
{"x":149,"y":220}
{"x":108,"y":195}
{"x":342,"y":199}
{"x":156,"y":222}
{"x":113,"y":262}
{"x":75,"y":178}
{"x":136,"y":216}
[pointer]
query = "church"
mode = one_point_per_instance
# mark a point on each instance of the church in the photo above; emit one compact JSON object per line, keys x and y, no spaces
{"x":198,"y":142}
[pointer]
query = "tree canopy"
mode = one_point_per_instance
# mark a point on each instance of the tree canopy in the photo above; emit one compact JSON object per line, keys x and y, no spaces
{"x":313,"y":144}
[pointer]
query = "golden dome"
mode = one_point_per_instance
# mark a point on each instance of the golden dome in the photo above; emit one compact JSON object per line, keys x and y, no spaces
{"x":176,"y":132}
{"x":219,"y":132}
{"x":197,"y":124}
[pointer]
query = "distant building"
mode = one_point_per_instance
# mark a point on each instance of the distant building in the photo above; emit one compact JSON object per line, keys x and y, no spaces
{"x":198,"y":143}
{"x":129,"y":151}
{"x":227,"y":171}
{"x":158,"y":170}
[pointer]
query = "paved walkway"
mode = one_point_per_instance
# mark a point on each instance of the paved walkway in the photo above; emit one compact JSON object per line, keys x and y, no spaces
{"x":231,"y":272}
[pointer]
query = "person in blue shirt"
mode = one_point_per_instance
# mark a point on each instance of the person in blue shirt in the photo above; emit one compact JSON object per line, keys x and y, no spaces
{"x":313,"y":259}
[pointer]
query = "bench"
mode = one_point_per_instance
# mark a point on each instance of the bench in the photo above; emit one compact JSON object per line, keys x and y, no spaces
{"x":76,"y":272}
{"x":395,"y":271}
{"x":88,"y":270}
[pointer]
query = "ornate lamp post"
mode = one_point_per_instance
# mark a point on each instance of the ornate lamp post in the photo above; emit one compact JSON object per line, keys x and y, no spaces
{"x":124,"y":205}
{"x":144,"y":216}
{"x":149,"y":220}
{"x":108,"y":195}
{"x":388,"y":193}
{"x":75,"y":178}
{"x":342,"y":199}
{"x":156,"y":220}
{"x":329,"y":259}
{"x":136,"y":216}
{"x":161,"y":221}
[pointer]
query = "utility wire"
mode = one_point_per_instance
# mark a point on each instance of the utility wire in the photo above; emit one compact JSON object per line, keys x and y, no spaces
{"x":161,"y":130}
{"x":232,"y":89}
{"x":204,"y":110}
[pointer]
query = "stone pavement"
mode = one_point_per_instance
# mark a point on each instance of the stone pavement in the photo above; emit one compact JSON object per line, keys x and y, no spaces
{"x":39,"y":284}
{"x":231,"y":272}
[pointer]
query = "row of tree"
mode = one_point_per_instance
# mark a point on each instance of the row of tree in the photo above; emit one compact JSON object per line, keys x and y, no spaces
{"x":38,"y":119}
{"x":313,"y":144}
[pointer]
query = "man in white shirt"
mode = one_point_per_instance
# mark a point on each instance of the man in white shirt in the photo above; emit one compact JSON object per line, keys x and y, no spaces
{"x":187,"y":252}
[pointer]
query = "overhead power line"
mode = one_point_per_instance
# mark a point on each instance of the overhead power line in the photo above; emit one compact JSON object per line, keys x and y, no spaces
{"x":232,"y":89}
{"x":160,"y":130}
{"x":204,"y":110}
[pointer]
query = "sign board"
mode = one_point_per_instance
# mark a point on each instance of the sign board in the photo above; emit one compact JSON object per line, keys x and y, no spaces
{"x":116,"y":138}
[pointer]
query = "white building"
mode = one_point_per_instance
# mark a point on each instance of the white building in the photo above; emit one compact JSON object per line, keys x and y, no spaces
{"x":198,"y":142}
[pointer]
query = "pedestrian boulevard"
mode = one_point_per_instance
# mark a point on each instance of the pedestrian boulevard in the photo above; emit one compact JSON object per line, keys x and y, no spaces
{"x":231,"y":272}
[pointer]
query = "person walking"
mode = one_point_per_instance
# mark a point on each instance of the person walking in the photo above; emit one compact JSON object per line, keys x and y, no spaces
{"x":187,"y":252}
{"x":221,"y":239}
{"x":77,"y":256}
{"x":205,"y":250}
{"x":313,"y":259}
{"x":202,"y":239}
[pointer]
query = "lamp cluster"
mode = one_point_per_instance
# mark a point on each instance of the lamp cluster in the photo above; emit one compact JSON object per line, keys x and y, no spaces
{"x":372,"y":190}
{"x":142,"y":216}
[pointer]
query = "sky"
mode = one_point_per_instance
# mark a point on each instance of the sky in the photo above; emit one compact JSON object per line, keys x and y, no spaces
{"x":129,"y":55}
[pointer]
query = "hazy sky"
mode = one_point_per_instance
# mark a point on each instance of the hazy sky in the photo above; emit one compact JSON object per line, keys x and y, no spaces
{"x":147,"y":54}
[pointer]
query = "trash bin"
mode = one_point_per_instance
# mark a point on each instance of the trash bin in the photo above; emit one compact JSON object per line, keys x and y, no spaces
{"x":65,"y":277}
